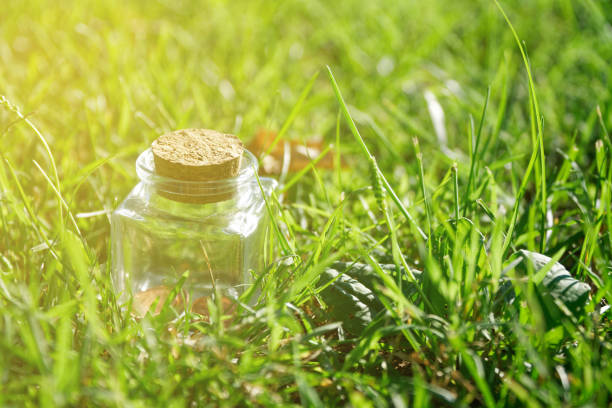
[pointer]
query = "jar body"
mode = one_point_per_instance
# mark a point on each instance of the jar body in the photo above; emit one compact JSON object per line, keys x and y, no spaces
{"x":155,"y":240}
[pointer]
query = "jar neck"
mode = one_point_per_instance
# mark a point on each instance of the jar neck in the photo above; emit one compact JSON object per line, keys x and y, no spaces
{"x":197,"y":192}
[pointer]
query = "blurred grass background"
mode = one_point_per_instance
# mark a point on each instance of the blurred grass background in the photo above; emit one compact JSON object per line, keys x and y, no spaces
{"x":104,"y":78}
{"x":101,"y":80}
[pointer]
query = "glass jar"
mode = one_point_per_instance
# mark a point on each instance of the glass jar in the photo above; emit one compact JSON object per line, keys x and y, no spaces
{"x":216,"y":230}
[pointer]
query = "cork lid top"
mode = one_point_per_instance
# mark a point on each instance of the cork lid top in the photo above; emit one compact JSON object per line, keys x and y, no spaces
{"x":197,"y":154}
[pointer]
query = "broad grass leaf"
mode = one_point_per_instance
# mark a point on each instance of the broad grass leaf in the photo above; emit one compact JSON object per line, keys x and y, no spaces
{"x":557,"y":286}
{"x":350,"y":294}
{"x":348,"y":301}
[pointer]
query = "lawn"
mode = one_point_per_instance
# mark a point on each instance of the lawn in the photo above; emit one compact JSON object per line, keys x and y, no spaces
{"x":462,"y":138}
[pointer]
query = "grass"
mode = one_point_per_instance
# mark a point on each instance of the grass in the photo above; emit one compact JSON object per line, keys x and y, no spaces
{"x":467,"y":134}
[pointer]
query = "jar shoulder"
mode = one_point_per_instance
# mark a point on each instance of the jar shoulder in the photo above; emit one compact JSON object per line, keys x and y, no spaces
{"x":142,"y":203}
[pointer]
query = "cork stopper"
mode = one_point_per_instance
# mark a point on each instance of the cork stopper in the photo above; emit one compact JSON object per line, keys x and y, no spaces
{"x":197,"y":155}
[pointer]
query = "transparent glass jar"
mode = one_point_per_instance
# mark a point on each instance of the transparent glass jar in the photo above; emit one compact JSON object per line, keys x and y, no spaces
{"x":216,"y":230}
